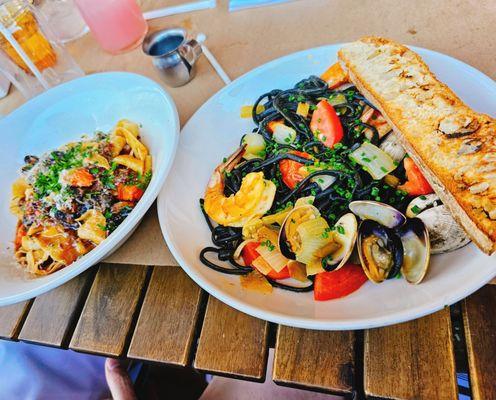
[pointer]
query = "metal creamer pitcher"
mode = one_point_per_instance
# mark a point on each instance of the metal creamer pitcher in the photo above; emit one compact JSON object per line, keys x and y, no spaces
{"x":173,"y":55}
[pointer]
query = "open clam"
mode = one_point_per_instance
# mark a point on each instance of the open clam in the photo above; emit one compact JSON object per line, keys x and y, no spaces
{"x":380,"y":250}
{"x":306,"y":236}
{"x":381,"y":213}
{"x":416,"y":250}
{"x":289,"y":237}
{"x":445,"y":233}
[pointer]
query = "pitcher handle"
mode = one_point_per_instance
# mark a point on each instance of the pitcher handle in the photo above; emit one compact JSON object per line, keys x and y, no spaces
{"x":191,"y":51}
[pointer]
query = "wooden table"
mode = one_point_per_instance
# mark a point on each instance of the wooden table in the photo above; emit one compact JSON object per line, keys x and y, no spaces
{"x":157,"y":314}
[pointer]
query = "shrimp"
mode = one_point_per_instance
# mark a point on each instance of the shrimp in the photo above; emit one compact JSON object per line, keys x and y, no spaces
{"x":254,"y":198}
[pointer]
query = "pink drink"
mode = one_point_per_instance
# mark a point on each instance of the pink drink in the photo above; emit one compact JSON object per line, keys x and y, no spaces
{"x":118,"y":25}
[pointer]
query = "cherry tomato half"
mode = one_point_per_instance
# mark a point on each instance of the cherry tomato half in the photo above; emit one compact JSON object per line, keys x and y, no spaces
{"x":325,"y":124}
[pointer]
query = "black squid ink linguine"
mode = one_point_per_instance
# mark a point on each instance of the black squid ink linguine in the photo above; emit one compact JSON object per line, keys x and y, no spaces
{"x":317,"y":144}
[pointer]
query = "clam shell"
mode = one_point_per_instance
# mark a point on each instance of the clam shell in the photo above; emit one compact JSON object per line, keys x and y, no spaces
{"x":382,"y":213}
{"x":416,"y":250}
{"x":444,"y":232}
{"x":347,"y":239}
{"x":422,"y":203}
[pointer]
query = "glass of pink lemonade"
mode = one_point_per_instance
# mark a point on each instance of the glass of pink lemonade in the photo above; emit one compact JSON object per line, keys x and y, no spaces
{"x":118,"y":25}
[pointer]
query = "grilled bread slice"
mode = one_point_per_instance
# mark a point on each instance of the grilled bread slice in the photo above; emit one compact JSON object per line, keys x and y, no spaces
{"x":454,"y":146}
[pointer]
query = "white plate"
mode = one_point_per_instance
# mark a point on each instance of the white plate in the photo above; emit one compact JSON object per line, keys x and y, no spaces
{"x":215,"y":131}
{"x":61,"y":115}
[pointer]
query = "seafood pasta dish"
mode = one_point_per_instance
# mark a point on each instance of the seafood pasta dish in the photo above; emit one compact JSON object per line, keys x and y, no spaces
{"x":70,"y":199}
{"x":334,"y":186}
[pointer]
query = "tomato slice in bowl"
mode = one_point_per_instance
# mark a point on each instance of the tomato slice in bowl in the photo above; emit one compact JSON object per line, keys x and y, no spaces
{"x":325,"y":124}
{"x":290,"y":169}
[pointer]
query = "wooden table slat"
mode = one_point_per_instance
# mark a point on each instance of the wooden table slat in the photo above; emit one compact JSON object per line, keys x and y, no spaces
{"x":480,"y":335}
{"x":232,"y":343}
{"x":413,"y":360}
{"x":320,"y":360}
{"x":11,"y":319}
{"x":107,"y":316}
{"x":168,"y":317}
{"x":52,"y":315}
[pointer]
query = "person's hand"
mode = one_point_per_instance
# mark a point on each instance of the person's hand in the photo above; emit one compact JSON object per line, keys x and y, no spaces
{"x":118,"y":381}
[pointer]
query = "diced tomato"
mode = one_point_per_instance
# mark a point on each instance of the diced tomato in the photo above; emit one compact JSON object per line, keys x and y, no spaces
{"x":340,"y":283}
{"x":290,"y":169}
{"x":334,"y":76}
{"x":416,"y":184}
{"x":20,"y":233}
{"x":325,"y":124}
{"x":250,"y":254}
{"x":129,"y":192}
{"x":282,"y":274}
{"x":272,"y":124}
{"x":80,"y":177}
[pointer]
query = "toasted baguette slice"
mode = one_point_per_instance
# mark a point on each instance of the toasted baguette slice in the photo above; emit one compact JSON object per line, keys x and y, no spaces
{"x":454,"y":146}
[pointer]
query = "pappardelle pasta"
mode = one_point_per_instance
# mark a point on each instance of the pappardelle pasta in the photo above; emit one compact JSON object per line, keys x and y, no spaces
{"x":69,"y":200}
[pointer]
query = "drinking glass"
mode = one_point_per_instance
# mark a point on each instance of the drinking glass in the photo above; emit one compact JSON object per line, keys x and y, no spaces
{"x":30,"y":55}
{"x":118,"y":25}
{"x":65,"y":19}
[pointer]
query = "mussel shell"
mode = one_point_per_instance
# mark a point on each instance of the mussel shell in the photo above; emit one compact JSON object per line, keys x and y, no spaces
{"x":416,"y":250}
{"x":284,"y":245}
{"x":384,"y":214}
{"x":444,"y":232}
{"x":390,"y":240}
{"x":347,"y":239}
{"x":422,"y":203}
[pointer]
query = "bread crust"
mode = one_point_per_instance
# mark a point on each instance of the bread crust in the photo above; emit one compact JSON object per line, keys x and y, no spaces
{"x":454,"y":146}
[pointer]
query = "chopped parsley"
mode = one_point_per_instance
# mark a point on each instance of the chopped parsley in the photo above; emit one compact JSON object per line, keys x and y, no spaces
{"x":416,"y":209}
{"x":267,"y":243}
{"x":48,"y":182}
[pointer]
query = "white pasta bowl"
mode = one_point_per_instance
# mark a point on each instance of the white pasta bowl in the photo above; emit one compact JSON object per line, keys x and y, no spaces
{"x":61,"y":115}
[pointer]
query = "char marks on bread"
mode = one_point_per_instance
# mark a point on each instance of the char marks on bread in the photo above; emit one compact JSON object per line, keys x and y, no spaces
{"x":454,"y":146}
